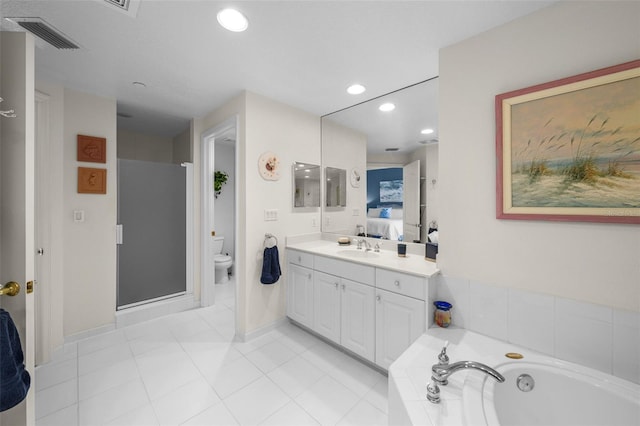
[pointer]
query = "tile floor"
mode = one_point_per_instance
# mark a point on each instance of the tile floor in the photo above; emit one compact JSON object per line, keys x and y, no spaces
{"x":185,"y":369}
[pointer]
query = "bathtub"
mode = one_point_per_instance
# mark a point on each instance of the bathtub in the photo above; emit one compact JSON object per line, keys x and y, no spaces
{"x":564,"y":393}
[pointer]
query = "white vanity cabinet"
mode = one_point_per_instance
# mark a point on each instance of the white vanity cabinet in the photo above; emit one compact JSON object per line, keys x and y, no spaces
{"x":300,"y":287}
{"x":375,"y":313}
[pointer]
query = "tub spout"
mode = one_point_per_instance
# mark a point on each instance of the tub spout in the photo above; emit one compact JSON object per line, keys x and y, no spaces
{"x":440,"y":373}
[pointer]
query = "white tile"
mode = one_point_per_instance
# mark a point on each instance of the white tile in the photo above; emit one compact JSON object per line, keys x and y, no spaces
{"x":327,"y":401}
{"x":143,"y":416}
{"x":101,"y":341}
{"x":146,"y":328}
{"x":298,"y":339}
{"x":290,"y":415}
{"x":295,"y":376}
{"x":531,"y":320}
{"x":192,"y":398}
{"x":271,"y":356}
{"x":262,"y":396}
{"x":488,"y":308}
{"x":96,"y":382}
{"x":66,"y":352}
{"x":364,"y":414}
{"x":154,"y":338}
{"x":113,"y":403}
{"x":455,"y":291}
{"x":232,"y":376}
{"x":188,"y":328}
{"x":217,"y":415}
{"x":56,"y":397}
{"x":255,"y":343}
{"x":626,"y":345}
{"x":102,"y":358}
{"x":325,"y":356}
{"x":163,"y":372}
{"x":66,"y":417}
{"x":356,"y":376}
{"x":582,"y":337}
{"x":54,"y":373}
{"x":378,"y":396}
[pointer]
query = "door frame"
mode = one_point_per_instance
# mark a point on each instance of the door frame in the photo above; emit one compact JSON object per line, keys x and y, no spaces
{"x":207,"y":141}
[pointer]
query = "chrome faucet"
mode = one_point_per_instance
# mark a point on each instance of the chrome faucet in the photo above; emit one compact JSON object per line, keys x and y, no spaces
{"x":377,"y":247}
{"x":367,"y":245}
{"x":441,"y":371}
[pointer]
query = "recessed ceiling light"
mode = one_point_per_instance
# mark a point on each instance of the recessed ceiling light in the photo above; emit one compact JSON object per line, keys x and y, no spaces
{"x":426,"y":131}
{"x":356,"y":89}
{"x":233,"y":20}
{"x":387,"y":107}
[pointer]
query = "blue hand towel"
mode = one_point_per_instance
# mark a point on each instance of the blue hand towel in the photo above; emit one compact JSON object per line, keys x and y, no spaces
{"x":270,"y":266}
{"x":14,"y":379}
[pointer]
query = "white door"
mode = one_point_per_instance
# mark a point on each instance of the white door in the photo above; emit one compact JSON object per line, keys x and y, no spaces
{"x":17,"y":202}
{"x":399,"y":322}
{"x":358,"y":318}
{"x":326,"y":306}
{"x":411,"y":201}
{"x":300,"y":294}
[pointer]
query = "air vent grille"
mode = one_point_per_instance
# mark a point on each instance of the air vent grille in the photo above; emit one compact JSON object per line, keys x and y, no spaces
{"x":46,"y":32}
{"x":124,"y":4}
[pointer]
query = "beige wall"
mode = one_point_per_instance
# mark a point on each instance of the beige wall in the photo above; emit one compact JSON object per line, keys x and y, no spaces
{"x":598,"y":263}
{"x":89,"y":247}
{"x":294,"y":135}
{"x":181,"y":146}
{"x":144,"y":147}
{"x":344,"y":148}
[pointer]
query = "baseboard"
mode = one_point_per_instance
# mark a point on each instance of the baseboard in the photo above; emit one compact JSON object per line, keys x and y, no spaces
{"x":246,"y":337}
{"x":89,"y":333}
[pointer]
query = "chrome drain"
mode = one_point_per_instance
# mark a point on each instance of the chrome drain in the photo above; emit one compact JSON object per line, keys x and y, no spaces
{"x":525,"y":383}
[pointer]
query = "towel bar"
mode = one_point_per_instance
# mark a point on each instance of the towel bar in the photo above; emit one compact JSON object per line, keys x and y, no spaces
{"x":11,"y":288}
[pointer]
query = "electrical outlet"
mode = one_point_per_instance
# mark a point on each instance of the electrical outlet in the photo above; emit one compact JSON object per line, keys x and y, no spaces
{"x":78,"y":215}
{"x":314,"y":222}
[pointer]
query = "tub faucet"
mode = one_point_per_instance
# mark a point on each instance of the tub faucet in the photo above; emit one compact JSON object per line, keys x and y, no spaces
{"x":440,"y":373}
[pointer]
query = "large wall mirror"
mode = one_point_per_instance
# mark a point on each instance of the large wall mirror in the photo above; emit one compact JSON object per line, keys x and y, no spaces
{"x":391,"y":159}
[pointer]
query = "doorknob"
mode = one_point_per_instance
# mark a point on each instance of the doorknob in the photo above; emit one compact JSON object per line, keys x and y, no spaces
{"x":11,"y":288}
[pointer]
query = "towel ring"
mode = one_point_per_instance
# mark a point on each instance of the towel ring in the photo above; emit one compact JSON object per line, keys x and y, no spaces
{"x":268,"y":243}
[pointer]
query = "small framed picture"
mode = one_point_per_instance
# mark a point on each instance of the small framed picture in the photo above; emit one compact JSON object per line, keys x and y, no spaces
{"x":92,"y":181}
{"x":92,"y":149}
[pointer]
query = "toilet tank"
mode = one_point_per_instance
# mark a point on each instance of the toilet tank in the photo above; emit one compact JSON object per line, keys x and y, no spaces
{"x":217,"y":245}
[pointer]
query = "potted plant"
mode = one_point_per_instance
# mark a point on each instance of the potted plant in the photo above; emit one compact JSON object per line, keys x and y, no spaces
{"x":219,"y":179}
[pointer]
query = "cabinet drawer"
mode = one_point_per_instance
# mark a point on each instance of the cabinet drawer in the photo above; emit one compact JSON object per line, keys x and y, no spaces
{"x":300,"y":258}
{"x":397,"y":282}
{"x":349,"y":270}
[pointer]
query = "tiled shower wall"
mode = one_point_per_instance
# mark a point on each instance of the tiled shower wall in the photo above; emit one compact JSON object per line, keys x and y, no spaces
{"x":600,"y":337}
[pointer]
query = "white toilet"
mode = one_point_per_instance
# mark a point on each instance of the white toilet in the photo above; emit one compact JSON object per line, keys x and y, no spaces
{"x":223,"y":262}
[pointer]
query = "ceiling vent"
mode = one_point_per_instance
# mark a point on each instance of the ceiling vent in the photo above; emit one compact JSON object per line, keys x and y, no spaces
{"x":46,"y":32}
{"x":128,"y":7}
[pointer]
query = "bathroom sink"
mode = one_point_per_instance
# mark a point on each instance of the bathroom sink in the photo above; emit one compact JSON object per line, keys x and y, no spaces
{"x":357,"y":254}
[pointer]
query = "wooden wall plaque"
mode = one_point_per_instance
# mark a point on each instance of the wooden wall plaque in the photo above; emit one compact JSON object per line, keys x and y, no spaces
{"x":92,"y":149}
{"x":92,"y":181}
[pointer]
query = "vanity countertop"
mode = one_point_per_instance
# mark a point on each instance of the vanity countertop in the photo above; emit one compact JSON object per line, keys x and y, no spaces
{"x":387,"y":259}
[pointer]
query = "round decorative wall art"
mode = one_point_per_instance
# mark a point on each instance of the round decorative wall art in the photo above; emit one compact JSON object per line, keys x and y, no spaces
{"x":269,"y":166}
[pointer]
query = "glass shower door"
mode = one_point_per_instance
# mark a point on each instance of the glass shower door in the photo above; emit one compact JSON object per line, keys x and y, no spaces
{"x":152,"y":236}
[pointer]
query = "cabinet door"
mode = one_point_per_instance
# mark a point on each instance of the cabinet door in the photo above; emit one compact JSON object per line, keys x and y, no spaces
{"x":399,"y":322}
{"x":358,"y":318}
{"x":300,"y":295}
{"x":326,"y":306}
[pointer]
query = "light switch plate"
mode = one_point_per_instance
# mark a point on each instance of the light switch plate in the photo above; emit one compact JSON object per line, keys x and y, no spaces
{"x":270,"y":214}
{"x":78,"y":215}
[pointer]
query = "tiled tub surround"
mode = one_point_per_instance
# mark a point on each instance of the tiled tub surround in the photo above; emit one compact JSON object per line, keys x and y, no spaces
{"x":599,"y":337}
{"x":462,"y":398}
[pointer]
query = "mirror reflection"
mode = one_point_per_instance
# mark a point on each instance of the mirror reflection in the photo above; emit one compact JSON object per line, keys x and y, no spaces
{"x":394,"y":151}
{"x":306,"y":185}
{"x":335,"y":187}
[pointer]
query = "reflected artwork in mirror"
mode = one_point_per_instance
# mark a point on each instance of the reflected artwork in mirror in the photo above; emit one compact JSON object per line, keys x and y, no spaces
{"x":335,"y":187}
{"x":306,"y":185}
{"x":397,"y":152}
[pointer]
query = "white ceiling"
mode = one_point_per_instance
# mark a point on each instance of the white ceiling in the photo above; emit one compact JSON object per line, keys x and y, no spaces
{"x":302,"y":53}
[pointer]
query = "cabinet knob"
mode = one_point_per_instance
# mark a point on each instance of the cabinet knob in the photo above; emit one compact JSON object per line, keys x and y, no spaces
{"x":336,"y":285}
{"x":309,"y":276}
{"x":299,"y":258}
{"x":397,"y":283}
{"x":343,"y":287}
{"x":378,"y":298}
